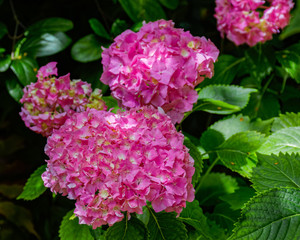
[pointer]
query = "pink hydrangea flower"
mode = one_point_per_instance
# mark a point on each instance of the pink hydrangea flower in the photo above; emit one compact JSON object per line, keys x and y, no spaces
{"x":160,"y":66}
{"x":250,"y":21}
{"x":48,"y":102}
{"x":112,"y":163}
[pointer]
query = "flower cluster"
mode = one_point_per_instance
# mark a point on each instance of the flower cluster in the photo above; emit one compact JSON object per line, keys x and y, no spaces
{"x":250,"y":21}
{"x":160,"y":66}
{"x":48,"y":102}
{"x":112,"y":163}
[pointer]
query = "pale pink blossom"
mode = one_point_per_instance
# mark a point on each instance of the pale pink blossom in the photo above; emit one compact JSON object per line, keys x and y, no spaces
{"x":48,"y":102}
{"x":160,"y":66}
{"x":252,"y":21}
{"x":112,"y":163}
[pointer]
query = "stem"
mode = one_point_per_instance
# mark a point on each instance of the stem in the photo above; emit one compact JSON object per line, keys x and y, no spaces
{"x":15,"y":37}
{"x":283,"y":83}
{"x":206,"y":174}
{"x":102,"y":14}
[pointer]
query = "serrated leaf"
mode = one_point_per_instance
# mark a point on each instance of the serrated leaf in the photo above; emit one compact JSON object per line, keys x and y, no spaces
{"x":231,"y":98}
{"x":286,"y":120}
{"x":14,"y":89}
{"x":46,"y":44}
{"x":214,"y":186}
{"x":34,"y":186}
{"x":98,"y":28}
{"x":290,"y":61}
{"x":263,"y":106}
{"x":5,"y":63}
{"x":171,"y":4}
{"x":286,"y":140}
{"x":239,"y":123}
{"x":237,"y":199}
{"x":198,"y":161}
{"x":165,"y":226}
{"x":50,"y":25}
{"x":276,"y":171}
{"x":3,"y":30}
{"x":72,"y":230}
{"x":87,"y":49}
{"x":118,"y":27}
{"x":293,"y":27}
{"x":192,"y":215}
{"x":236,"y":152}
{"x":18,"y":215}
{"x":127,"y":230}
{"x":148,"y":10}
{"x":274,"y":214}
{"x":25,"y":69}
{"x":225,"y":70}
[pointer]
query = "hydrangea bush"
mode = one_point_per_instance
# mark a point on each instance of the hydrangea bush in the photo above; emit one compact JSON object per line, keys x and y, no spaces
{"x":193,"y":138}
{"x":160,"y":66}
{"x":51,"y":100}
{"x":252,"y":21}
{"x":113,"y":163}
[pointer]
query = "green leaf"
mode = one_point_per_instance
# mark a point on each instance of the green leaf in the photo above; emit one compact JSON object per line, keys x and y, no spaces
{"x":111,"y":103}
{"x":235,"y":152}
{"x":259,"y":62}
{"x":192,"y":215}
{"x":286,"y":120}
{"x":224,"y":216}
{"x":10,"y":191}
{"x":286,"y":140}
{"x":72,"y":230}
{"x":290,"y":61}
{"x":25,"y":70}
{"x":229,"y":97}
{"x":211,"y":139}
{"x":14,"y":89}
{"x":34,"y":186}
{"x":145,"y":216}
{"x":293,"y":27}
{"x":118,"y":27}
{"x":87,"y":49}
{"x":165,"y":226}
{"x":274,"y":214}
{"x":196,"y":155}
{"x":148,"y":10}
{"x":137,"y":26}
{"x":225,"y":70}
{"x":239,"y":123}
{"x":46,"y":44}
{"x":19,"y":216}
{"x":50,"y":25}
{"x":263,"y":106}
{"x":215,"y":106}
{"x":127,"y":230}
{"x":98,"y":28}
{"x":5,"y":63}
{"x":214,"y":186}
{"x":276,"y":171}
{"x":237,"y":199}
{"x":3,"y":30}
{"x":171,"y":4}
